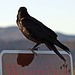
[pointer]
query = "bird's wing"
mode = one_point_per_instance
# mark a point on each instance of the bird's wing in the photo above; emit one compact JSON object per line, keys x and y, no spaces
{"x":38,"y":29}
{"x":47,"y":30}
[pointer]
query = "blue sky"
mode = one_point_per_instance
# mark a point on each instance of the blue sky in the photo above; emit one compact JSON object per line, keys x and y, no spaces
{"x":59,"y":15}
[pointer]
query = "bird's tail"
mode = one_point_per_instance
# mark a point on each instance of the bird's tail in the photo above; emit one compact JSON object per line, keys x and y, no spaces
{"x":52,"y":47}
{"x":59,"y":44}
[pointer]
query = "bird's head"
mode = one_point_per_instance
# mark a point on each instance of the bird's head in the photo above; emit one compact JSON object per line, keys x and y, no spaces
{"x":22,"y":12}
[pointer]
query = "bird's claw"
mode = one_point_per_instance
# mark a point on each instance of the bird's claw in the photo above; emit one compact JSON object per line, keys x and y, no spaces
{"x":32,"y":49}
{"x":34,"y":52}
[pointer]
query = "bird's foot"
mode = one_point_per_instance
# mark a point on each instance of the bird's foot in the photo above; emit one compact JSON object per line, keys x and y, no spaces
{"x":32,"y":49}
{"x":34,"y":52}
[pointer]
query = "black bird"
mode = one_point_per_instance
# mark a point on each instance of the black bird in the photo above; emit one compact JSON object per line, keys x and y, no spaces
{"x":37,"y":32}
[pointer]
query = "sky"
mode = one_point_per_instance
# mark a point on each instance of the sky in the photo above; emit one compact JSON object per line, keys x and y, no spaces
{"x":59,"y":15}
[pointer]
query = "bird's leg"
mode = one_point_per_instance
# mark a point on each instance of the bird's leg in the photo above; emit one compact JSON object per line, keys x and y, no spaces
{"x":35,"y":48}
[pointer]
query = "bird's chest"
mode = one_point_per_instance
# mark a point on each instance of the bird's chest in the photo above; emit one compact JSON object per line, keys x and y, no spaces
{"x":24,"y":30}
{"x":27,"y":33}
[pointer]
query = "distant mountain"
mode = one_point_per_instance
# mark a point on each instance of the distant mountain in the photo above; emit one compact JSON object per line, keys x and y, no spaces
{"x":65,"y":37}
{"x":13,"y":33}
{"x":10,"y":34}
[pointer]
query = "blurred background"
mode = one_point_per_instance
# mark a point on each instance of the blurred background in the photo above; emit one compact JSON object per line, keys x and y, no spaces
{"x":59,"y":15}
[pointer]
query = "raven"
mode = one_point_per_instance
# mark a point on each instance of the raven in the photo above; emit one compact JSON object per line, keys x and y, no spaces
{"x":37,"y":32}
